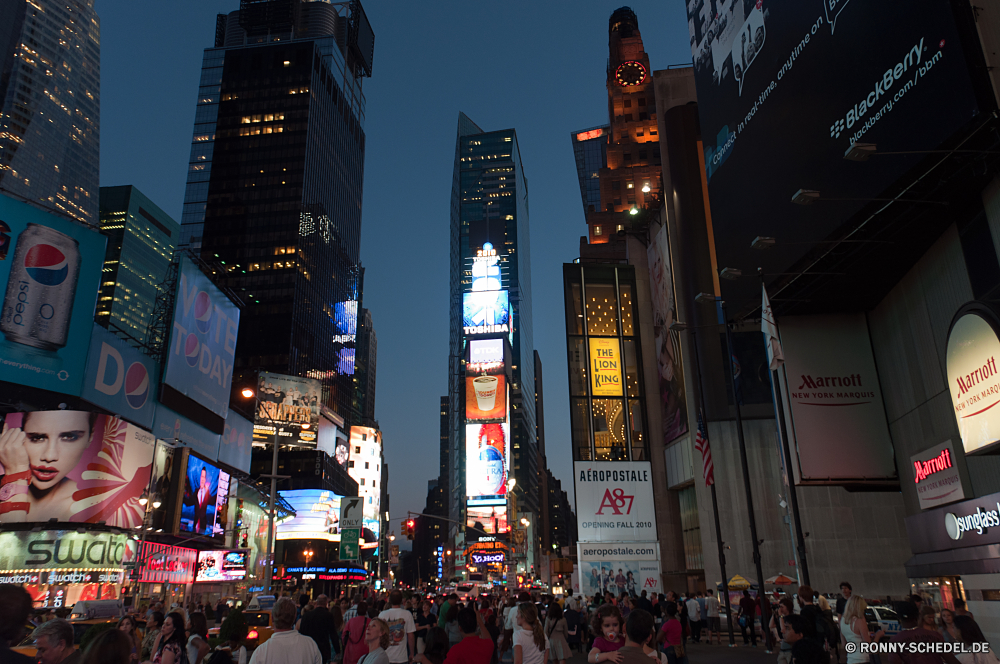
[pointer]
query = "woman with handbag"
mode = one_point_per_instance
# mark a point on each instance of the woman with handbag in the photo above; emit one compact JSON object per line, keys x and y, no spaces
{"x":672,"y":636}
{"x":354,"y":635}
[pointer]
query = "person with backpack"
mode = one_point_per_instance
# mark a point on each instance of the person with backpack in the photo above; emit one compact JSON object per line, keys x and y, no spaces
{"x":817,"y":626}
{"x":354,"y":635}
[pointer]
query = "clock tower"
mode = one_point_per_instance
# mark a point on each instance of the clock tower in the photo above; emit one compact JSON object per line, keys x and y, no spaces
{"x":631,"y":180}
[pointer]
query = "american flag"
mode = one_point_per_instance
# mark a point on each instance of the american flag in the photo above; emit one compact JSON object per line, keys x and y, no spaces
{"x":701,"y":444}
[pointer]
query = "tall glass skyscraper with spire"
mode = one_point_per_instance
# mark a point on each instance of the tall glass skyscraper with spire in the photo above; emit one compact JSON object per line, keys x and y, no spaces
{"x":489,"y":206}
{"x":50,"y":91}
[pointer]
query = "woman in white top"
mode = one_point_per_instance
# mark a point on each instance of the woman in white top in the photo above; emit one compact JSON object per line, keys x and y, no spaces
{"x":530,"y":644}
{"x":854,"y":628}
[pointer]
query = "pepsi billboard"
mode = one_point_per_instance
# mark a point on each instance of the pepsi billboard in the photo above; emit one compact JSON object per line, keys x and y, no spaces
{"x":202,"y":340}
{"x":50,"y":270}
{"x":120,"y":378}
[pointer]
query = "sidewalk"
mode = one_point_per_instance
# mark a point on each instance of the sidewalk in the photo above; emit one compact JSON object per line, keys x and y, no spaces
{"x":704,"y":654}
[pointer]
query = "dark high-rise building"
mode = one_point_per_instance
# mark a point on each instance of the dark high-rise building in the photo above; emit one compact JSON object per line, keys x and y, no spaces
{"x":274,"y":187}
{"x":445,"y":460}
{"x":141,"y":242}
{"x":367,"y":356}
{"x":50,"y":91}
{"x":489,"y":211}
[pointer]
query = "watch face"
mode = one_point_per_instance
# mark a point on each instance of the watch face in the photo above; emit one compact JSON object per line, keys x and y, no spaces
{"x":630,"y":73}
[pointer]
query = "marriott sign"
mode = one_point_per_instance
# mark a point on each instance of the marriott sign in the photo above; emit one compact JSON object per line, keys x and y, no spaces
{"x":973,"y":346}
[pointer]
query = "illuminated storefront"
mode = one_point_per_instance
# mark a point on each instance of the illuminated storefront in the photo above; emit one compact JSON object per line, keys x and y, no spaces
{"x":61,"y":567}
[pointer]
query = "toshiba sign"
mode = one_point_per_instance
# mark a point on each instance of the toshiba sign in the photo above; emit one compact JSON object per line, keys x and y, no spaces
{"x":973,"y":379}
{"x":614,"y":501}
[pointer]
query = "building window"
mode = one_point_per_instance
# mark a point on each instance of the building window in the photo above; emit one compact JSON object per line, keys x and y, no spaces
{"x":644,"y":116}
{"x":357,"y":449}
{"x":616,"y":185}
{"x":627,"y":156}
{"x":628,"y":103}
{"x":350,"y":464}
{"x":618,"y":201}
{"x":366,"y":465}
{"x":642,"y":154}
{"x":362,"y":481}
{"x":642,"y":101}
{"x":628,"y":117}
{"x":597,"y":230}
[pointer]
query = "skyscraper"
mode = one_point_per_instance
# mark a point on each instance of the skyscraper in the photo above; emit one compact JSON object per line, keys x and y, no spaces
{"x":141,"y":242}
{"x":50,"y":87}
{"x":489,"y":212}
{"x":274,"y":184}
{"x":367,"y":357}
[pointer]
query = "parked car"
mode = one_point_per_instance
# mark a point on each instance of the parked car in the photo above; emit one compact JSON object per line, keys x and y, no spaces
{"x":882,"y":617}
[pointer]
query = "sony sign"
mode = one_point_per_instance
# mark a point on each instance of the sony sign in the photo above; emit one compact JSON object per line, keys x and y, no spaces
{"x":936,"y":477}
{"x":973,"y":379}
{"x":63,"y":549}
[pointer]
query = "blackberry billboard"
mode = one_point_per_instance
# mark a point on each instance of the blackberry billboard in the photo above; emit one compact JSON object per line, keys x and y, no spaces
{"x":785,"y":87}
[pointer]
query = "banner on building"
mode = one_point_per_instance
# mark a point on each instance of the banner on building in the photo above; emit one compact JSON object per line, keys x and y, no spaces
{"x":605,"y":367}
{"x":619,"y":567}
{"x":202,"y":340}
{"x":670,"y":376}
{"x":936,"y":476}
{"x":614,"y":501}
{"x":288,"y":399}
{"x":973,"y":377}
{"x":174,"y":427}
{"x":120,"y":378}
{"x":236,"y":442}
{"x":833,"y":402}
{"x":78,"y":466}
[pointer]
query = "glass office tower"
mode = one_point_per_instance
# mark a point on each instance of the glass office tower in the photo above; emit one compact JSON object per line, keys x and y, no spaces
{"x":274,"y":185}
{"x":141,"y":242}
{"x":489,"y":204}
{"x":50,"y":90}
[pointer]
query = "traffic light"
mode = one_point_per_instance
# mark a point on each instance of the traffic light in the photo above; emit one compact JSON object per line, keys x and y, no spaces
{"x":408,"y":528}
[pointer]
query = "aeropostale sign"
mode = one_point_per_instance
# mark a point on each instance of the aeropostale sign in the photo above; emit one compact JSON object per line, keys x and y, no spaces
{"x":936,"y":477}
{"x":973,"y":379}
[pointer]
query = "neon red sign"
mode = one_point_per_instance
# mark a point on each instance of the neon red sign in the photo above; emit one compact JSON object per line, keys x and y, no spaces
{"x":924,"y":469}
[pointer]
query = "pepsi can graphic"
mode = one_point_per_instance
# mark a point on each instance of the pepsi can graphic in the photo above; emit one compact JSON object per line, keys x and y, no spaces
{"x":41,"y":288}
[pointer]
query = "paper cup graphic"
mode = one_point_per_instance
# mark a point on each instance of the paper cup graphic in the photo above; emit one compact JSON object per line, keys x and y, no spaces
{"x":486,"y":392}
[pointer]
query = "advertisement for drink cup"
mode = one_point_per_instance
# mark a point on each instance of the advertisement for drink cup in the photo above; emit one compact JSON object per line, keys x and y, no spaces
{"x":485,"y":398}
{"x":50,"y":270}
{"x":73,"y":466}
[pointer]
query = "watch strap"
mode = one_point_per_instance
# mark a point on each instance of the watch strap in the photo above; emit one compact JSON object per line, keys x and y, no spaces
{"x":14,"y":507}
{"x":15,"y":477}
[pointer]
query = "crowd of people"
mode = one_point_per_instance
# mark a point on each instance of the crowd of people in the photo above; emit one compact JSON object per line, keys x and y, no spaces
{"x":388,"y":628}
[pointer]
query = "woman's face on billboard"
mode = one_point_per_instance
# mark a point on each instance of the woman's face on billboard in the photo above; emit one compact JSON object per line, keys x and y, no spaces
{"x":55,"y":441}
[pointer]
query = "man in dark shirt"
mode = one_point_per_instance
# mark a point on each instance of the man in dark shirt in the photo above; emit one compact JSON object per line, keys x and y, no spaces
{"x":638,"y":629}
{"x":748,"y":613}
{"x":318,"y":625}
{"x":15,"y":607}
{"x":805,"y":650}
{"x":908,"y":616}
{"x":845,"y":594}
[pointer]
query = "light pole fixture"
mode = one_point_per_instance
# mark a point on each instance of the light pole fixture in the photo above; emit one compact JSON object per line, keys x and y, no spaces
{"x":269,"y":564}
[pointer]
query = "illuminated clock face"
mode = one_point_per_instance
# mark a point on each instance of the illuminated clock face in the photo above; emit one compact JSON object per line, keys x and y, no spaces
{"x":630,"y":73}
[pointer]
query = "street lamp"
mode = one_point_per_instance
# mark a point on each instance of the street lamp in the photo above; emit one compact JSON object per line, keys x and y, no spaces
{"x":247,"y":393}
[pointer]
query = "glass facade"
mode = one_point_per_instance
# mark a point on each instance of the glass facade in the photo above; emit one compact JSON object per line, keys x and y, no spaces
{"x":141,"y":243}
{"x":489,"y":203}
{"x":691,"y":529}
{"x":590,"y":151}
{"x":50,"y":87}
{"x":607,"y":397}
{"x":273,"y":201}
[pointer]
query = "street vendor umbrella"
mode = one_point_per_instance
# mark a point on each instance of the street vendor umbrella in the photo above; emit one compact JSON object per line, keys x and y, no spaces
{"x":740,"y":583}
{"x":780,"y":580}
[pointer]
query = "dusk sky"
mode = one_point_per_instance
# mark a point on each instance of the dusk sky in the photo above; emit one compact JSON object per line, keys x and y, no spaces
{"x":538,"y":67}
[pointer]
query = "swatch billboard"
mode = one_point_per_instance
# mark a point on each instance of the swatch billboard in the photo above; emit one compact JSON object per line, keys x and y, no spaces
{"x":786,"y":87}
{"x":50,"y":271}
{"x":202,"y":340}
{"x":120,"y":378}
{"x":73,"y":466}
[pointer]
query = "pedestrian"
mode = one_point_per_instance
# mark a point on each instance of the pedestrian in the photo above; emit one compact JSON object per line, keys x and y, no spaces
{"x":286,"y":646}
{"x":777,"y":626}
{"x":377,"y":638}
{"x":197,"y":643}
{"x":435,"y":647}
{"x":114,"y":646}
{"x":171,"y":642}
{"x":960,"y":609}
{"x":557,"y":630}
{"x":451,"y":625}
{"x":909,"y":615}
{"x":127,"y":627}
{"x":928,"y":617}
{"x":947,"y":627}
{"x":694,"y":616}
{"x":318,"y":624}
{"x":747,"y":614}
{"x":638,"y":631}
{"x":354,"y":634}
{"x":805,"y":649}
{"x":399,"y":622}
{"x":54,"y":643}
{"x":574,"y":624}
{"x":15,"y":607}
{"x":817,"y":625}
{"x":473,"y":648}
{"x":971,"y":636}
{"x":530,"y":644}
{"x":854,"y":629}
{"x":845,"y":594}
{"x":352,"y":610}
{"x":672,"y":635}
{"x":714,"y":623}
{"x":153,"y":624}
{"x":607,"y":626}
